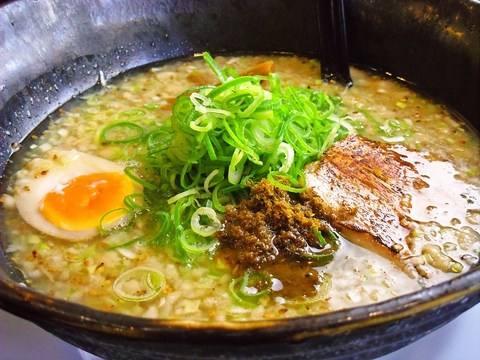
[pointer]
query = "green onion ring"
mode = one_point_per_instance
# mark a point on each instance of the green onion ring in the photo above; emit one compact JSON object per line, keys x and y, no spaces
{"x":122,"y":132}
{"x":125,"y":221}
{"x":243,"y":291}
{"x":194,"y":243}
{"x":204,"y":222}
{"x":139,"y":284}
{"x":322,"y":292}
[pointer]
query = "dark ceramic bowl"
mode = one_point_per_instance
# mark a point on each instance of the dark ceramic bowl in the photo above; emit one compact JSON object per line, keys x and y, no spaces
{"x":52,"y":50}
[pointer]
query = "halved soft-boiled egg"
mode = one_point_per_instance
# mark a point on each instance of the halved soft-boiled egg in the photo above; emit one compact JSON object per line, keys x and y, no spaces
{"x":66,"y":194}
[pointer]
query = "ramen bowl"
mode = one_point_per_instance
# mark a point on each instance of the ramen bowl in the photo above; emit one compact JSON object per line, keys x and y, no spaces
{"x":54,"y":50}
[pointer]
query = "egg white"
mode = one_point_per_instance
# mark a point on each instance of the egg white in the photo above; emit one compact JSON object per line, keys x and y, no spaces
{"x":42,"y":175}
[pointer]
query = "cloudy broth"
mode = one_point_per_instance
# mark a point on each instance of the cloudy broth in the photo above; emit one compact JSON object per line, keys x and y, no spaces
{"x":85,"y":271}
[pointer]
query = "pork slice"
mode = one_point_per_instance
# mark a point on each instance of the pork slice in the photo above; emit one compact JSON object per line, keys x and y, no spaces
{"x":376,"y":195}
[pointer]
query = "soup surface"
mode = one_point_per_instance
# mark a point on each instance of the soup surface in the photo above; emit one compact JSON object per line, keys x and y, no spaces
{"x":99,"y":141}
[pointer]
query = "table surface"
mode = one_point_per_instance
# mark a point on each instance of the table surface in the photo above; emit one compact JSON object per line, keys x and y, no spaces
{"x":460,"y":339}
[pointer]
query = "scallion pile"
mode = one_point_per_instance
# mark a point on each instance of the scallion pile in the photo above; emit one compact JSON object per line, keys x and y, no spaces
{"x":217,"y":139}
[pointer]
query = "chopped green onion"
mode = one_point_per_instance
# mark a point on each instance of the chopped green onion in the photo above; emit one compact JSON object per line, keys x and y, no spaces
{"x":328,"y":246}
{"x":122,"y":132}
{"x":217,"y":140}
{"x":213,"y":65}
{"x":296,"y":187}
{"x":139,"y":284}
{"x":135,"y":202}
{"x":152,"y":105}
{"x":131,"y":114}
{"x":78,"y":255}
{"x":235,"y":170}
{"x":322,"y":291}
{"x":115,"y":244}
{"x":43,"y":246}
{"x":195,"y":243}
{"x":125,"y":220}
{"x":163,"y":226}
{"x":248,"y":289}
{"x":219,"y":198}
{"x":130,"y":171}
{"x":205,"y":105}
{"x":204,"y":222}
{"x":289,"y":154}
{"x":393,"y":130}
{"x":320,"y":237}
{"x":183,"y":194}
{"x":209,"y":180}
{"x":158,"y":140}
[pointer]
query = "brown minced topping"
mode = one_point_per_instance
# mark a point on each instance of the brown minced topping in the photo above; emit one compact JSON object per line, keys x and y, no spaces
{"x":272,"y":231}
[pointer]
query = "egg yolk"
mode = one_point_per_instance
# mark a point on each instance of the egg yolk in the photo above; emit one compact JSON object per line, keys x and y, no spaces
{"x":84,"y":200}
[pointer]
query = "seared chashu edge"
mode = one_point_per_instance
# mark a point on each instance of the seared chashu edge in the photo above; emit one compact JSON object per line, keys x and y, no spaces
{"x":366,"y":189}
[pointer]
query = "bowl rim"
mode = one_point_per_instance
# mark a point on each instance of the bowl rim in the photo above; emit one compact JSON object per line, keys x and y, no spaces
{"x":35,"y":306}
